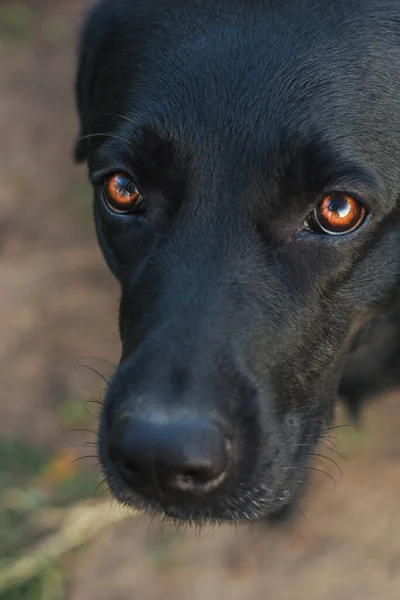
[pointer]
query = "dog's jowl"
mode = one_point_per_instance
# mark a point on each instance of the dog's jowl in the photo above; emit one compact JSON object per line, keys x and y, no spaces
{"x":245,"y":162}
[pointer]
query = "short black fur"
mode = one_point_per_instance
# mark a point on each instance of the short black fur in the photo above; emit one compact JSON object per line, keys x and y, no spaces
{"x":234,"y":117}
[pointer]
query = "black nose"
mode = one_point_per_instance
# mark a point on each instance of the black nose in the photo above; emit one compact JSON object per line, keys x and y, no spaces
{"x":190,"y":456}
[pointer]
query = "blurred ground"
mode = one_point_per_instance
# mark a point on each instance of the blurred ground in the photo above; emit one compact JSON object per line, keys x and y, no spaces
{"x":58,"y":304}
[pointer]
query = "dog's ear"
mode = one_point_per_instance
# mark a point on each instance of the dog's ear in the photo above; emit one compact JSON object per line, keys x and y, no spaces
{"x":105,"y":31}
{"x":92,"y":41}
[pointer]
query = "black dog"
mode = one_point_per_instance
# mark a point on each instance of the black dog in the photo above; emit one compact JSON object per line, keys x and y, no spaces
{"x":245,"y":159}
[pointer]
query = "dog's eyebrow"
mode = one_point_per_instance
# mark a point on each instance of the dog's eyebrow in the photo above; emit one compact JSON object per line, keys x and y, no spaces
{"x":311,"y":168}
{"x":154,"y":159}
{"x":128,"y":141}
{"x":111,"y":148}
{"x":299,"y":170}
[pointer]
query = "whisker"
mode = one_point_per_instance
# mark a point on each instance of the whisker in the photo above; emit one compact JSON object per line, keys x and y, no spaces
{"x":326,"y":438}
{"x":80,"y":431}
{"x":302,"y":514}
{"x":327,"y":458}
{"x":98,"y":493}
{"x":125,"y":118}
{"x":324,"y":472}
{"x":105,"y":360}
{"x":93,"y":401}
{"x":84,"y":445}
{"x":94,"y":371}
{"x":337,"y":452}
{"x":336,"y":427}
{"x":104,"y":134}
{"x":82,"y":457}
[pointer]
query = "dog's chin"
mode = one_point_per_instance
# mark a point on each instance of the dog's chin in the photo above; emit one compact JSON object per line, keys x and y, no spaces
{"x":244,"y":505}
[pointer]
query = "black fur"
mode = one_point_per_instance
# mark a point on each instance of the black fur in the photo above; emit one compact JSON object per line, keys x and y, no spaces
{"x":234,"y":117}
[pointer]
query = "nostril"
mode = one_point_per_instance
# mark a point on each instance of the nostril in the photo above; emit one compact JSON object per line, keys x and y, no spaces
{"x":184,"y":456}
{"x":204,"y":476}
{"x":194,"y":481}
{"x":200,"y":475}
{"x":128,"y":469}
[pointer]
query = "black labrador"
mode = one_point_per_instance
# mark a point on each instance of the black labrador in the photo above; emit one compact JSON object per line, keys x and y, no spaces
{"x":245,"y":161}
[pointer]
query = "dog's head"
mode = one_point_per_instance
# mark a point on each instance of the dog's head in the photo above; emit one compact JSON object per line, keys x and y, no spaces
{"x":245,"y":159}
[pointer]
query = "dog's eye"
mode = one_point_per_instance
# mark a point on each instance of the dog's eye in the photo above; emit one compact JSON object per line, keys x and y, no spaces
{"x":122,"y":195}
{"x":336,"y":214}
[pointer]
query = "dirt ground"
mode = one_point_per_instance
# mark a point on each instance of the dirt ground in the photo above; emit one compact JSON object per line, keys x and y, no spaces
{"x":58,"y":304}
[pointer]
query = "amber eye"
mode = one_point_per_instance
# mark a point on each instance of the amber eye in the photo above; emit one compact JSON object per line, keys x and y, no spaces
{"x":122,"y":195}
{"x":337,"y":214}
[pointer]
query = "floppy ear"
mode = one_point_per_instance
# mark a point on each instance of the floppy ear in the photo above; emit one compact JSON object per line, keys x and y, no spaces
{"x":93,"y":39}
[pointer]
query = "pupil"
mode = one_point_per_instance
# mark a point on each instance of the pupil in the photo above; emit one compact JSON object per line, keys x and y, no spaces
{"x":340,"y":206}
{"x":124,"y":186}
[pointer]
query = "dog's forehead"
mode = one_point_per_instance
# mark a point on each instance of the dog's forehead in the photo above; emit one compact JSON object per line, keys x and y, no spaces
{"x":256,"y":70}
{"x":258,"y":77}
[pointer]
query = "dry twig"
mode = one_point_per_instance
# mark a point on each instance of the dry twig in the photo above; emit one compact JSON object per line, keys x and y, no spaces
{"x":81,"y":523}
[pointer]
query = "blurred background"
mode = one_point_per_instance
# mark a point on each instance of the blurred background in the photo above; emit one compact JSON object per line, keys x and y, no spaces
{"x":58,"y":310}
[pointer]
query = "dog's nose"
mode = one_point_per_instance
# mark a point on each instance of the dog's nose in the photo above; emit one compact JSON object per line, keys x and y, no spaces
{"x":189,"y":456}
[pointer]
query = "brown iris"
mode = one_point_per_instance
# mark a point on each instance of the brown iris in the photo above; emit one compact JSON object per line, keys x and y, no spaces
{"x":338,"y":214}
{"x":122,"y":195}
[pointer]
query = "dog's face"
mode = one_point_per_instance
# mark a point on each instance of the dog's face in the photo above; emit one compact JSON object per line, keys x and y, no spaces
{"x":245,"y":159}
